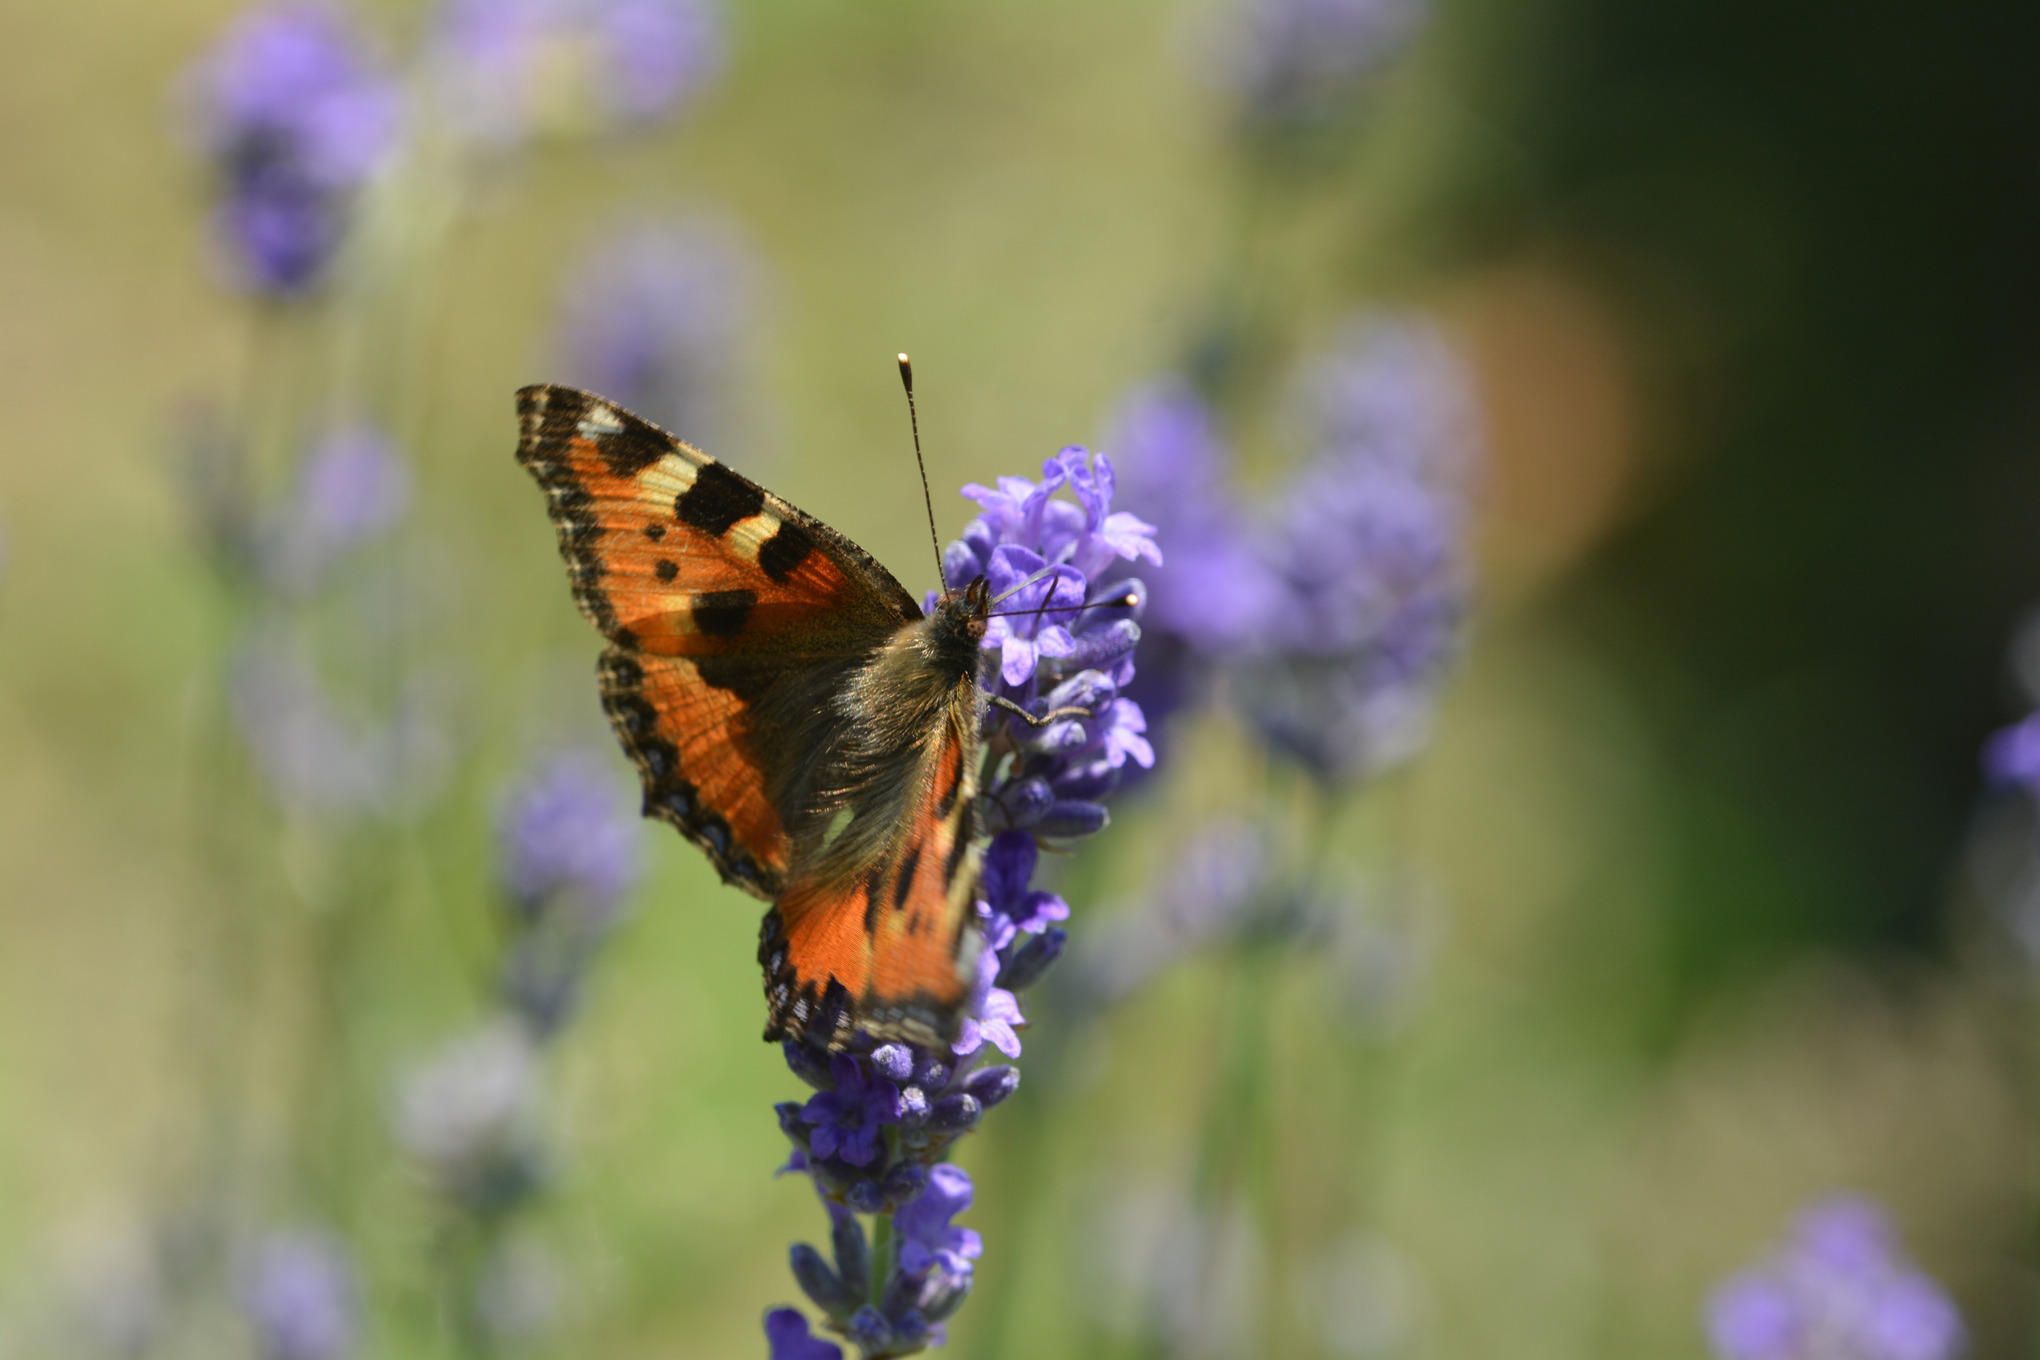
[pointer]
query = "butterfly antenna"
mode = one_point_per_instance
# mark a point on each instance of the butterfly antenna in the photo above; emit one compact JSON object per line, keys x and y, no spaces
{"x":927,"y":499}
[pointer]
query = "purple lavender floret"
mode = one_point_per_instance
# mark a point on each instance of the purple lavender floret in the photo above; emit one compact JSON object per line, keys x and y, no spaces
{"x":874,"y":1137}
{"x":786,"y":1333}
{"x":300,"y":1297}
{"x":295,"y":117}
{"x":510,"y":70}
{"x":848,"y":1120}
{"x":1840,"y":1289}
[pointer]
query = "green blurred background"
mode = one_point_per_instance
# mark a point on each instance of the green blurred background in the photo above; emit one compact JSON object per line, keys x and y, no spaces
{"x":1749,"y":293}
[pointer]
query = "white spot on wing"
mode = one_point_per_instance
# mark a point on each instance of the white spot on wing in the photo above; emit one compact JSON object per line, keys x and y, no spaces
{"x":746,"y":537}
{"x":599,"y":419}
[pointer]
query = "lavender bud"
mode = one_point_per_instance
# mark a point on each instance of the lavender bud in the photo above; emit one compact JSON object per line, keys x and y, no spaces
{"x":902,"y":1293}
{"x":869,"y":1330}
{"x":853,"y":1256}
{"x":864,"y":1196}
{"x":819,"y":1282}
{"x":1102,"y":645}
{"x":932,"y":1074}
{"x":1060,"y":738}
{"x":1090,"y":689}
{"x":1032,"y":959}
{"x":1070,"y":818}
{"x":1020,"y":806}
{"x":955,"y":1114}
{"x":1088,"y":783}
{"x":944,"y":1295}
{"x":910,"y":1332}
{"x":895,"y":1062}
{"x":790,"y":1123}
{"x":991,"y":1085}
{"x":913,"y":1104}
{"x":904,"y":1181}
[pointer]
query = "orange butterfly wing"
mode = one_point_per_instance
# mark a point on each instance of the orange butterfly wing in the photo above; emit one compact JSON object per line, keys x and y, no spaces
{"x":892,"y":950}
{"x":714,"y":593}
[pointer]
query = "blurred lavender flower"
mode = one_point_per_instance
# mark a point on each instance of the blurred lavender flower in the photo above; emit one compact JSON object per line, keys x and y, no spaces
{"x":300,"y":1297}
{"x":1299,"y":61}
{"x":511,"y":70}
{"x":352,"y":488}
{"x":1840,"y":1289}
{"x":569,"y":844}
{"x":468,"y":1116}
{"x":296,"y":118}
{"x":653,"y":321}
{"x":1331,"y":614}
{"x":321,"y":759}
{"x":873,"y":1139}
{"x":567,"y":831}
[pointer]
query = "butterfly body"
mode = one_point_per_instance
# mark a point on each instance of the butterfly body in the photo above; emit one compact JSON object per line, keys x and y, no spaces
{"x":791,"y":710}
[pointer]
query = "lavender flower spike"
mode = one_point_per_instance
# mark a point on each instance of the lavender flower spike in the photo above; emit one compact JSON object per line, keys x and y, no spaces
{"x":295,"y":118}
{"x":1839,"y":1290}
{"x":875,"y":1136}
{"x":300,"y":1297}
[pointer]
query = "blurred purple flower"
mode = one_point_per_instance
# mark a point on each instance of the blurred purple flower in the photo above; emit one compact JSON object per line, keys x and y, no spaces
{"x":1331,"y":614}
{"x":300,"y":1297}
{"x":296,"y":117}
{"x":653,"y":320}
{"x":468,"y":1115}
{"x":786,"y":1332}
{"x":1292,"y":61}
{"x":352,"y":488}
{"x":320,"y":758}
{"x":567,"y":832}
{"x":1840,"y":1289}
{"x":510,"y":70}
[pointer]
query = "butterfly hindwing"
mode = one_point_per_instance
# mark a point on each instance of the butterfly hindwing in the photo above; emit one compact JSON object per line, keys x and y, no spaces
{"x":723,"y":604}
{"x":887,"y":947}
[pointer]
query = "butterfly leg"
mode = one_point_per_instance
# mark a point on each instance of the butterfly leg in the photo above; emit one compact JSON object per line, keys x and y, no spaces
{"x":1053,"y":715}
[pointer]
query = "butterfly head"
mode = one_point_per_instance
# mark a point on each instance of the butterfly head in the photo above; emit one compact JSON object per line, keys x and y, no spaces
{"x":957,"y":627}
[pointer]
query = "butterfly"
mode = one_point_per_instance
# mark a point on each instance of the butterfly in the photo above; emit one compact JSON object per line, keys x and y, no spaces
{"x":790,"y":709}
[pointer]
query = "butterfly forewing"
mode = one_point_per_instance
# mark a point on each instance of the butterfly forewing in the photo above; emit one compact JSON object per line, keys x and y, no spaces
{"x":714,"y":594}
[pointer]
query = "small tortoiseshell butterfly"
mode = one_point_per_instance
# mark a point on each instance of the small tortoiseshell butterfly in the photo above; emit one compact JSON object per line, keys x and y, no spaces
{"x":790,"y":709}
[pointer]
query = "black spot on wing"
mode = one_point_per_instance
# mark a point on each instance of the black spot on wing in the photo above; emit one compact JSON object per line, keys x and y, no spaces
{"x":785,"y":550}
{"x":903,"y":886}
{"x":957,"y":851}
{"x":630,"y":451}
{"x":720,"y":613}
{"x":717,"y":500}
{"x":874,"y":890}
{"x":747,"y":677}
{"x":655,"y":531}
